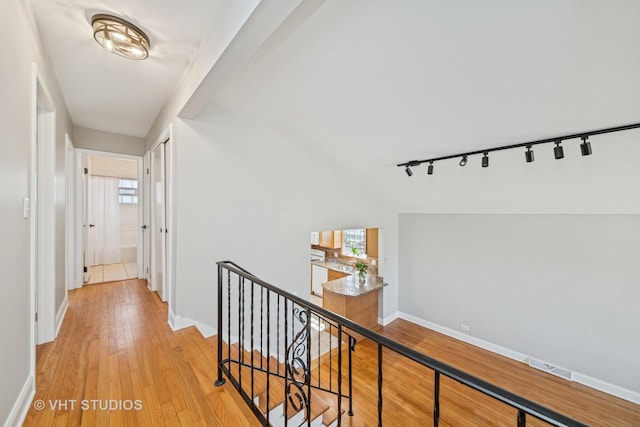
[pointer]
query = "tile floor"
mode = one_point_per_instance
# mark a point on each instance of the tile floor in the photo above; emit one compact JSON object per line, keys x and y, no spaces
{"x":112,"y":272}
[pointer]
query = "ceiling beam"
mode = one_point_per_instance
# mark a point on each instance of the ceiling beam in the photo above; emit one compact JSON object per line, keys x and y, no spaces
{"x":271,"y":22}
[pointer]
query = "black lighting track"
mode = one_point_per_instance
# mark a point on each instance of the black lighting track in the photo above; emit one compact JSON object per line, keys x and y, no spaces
{"x":555,"y":139}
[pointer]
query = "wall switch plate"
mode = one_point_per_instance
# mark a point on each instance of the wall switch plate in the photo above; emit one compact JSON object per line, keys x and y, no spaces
{"x":26,"y":207}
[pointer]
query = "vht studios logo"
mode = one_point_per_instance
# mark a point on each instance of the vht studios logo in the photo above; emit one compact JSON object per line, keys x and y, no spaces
{"x":88,"y":405}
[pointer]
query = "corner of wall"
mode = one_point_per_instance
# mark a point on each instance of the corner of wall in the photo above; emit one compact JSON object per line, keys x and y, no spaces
{"x":23,"y":402}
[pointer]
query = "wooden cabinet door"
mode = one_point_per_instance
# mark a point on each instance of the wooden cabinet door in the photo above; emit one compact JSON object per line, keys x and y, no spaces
{"x":326,"y":239}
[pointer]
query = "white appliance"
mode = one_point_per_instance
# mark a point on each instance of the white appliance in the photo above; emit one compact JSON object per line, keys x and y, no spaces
{"x":319,"y":275}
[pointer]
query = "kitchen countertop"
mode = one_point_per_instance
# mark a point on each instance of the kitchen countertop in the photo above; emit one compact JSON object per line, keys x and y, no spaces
{"x":351,"y":286}
{"x":336,"y":266}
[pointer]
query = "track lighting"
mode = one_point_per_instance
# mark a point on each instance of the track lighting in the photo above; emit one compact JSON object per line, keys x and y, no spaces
{"x":529,"y":155}
{"x":585,"y":147}
{"x":558,"y":152}
{"x":485,"y":160}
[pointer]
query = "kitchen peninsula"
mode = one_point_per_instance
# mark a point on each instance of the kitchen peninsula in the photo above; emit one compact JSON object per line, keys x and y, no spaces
{"x":349,"y":297}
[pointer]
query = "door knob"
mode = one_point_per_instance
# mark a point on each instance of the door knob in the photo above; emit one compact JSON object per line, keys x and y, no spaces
{"x":91,"y":225}
{"x":144,"y":227}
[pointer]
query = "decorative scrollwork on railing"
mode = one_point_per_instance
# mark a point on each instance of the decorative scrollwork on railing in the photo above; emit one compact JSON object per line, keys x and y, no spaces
{"x":297,"y":368}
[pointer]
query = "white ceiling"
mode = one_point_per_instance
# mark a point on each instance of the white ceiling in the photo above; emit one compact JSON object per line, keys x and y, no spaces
{"x":431,"y":77}
{"x":109,"y":93}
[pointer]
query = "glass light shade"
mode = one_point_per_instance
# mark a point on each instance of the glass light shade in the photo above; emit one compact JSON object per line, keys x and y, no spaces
{"x":120,"y":37}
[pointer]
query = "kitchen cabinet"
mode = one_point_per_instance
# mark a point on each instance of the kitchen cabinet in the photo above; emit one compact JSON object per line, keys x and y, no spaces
{"x":372,"y":243}
{"x":331,"y":239}
{"x":334,"y":275}
{"x":319,"y":275}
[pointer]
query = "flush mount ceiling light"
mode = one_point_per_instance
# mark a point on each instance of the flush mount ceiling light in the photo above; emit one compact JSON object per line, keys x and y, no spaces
{"x":120,"y":37}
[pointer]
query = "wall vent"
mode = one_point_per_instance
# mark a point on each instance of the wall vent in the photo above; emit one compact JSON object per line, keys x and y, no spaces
{"x":548,"y":367}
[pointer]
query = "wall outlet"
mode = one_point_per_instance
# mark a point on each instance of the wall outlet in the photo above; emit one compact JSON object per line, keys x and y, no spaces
{"x":464,"y":327}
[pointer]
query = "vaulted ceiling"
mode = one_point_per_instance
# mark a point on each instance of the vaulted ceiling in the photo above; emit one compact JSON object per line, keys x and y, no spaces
{"x":381,"y":81}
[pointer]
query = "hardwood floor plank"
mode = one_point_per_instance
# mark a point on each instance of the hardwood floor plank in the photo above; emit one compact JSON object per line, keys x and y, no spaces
{"x":115,"y":344}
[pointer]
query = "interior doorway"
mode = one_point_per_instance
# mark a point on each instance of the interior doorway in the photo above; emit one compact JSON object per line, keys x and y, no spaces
{"x":112,"y":211}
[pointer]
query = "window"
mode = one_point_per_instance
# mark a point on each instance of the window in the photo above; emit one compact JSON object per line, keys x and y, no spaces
{"x":128,"y":191}
{"x":354,"y":238}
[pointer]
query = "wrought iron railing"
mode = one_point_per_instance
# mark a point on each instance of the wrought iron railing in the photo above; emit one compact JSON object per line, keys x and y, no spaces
{"x":271,"y":337}
{"x":294,"y":320}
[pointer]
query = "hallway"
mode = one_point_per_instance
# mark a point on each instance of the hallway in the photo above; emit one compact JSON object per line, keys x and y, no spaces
{"x":115,"y":345}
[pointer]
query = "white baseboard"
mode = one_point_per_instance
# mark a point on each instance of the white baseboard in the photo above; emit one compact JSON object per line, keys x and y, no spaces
{"x":612,"y":389}
{"x":503,"y":351}
{"x":385,"y":321}
{"x":179,"y":322}
{"x":594,"y":383}
{"x":60,"y":315}
{"x":23,"y":403}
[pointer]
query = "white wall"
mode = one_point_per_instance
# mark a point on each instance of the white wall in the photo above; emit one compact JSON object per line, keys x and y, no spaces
{"x":17,"y":26}
{"x":97,"y":140}
{"x":251,"y":197}
{"x":548,"y":269}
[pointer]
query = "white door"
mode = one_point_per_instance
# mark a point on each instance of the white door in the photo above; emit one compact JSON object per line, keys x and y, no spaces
{"x":319,"y":275}
{"x":158,"y":219}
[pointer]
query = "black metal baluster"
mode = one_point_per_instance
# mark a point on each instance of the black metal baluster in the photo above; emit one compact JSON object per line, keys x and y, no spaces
{"x":522,"y":418}
{"x":308,"y":415}
{"x":319,"y":331}
{"x":278,"y":336}
{"x":331,"y":364}
{"x":436,"y":399}
{"x":240,"y":328}
{"x":251,"y":342}
{"x":220,"y":380}
{"x":268,"y":349}
{"x":286,"y":356}
{"x":339,"y":374}
{"x":352,"y":344}
{"x":229,"y":319}
{"x":379,"y":385}
{"x":262,"y":325}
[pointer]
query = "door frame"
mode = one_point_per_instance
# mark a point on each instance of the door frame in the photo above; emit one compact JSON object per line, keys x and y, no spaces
{"x":82,"y":155}
{"x":41,"y":211}
{"x":167,"y":137}
{"x":71,"y":276}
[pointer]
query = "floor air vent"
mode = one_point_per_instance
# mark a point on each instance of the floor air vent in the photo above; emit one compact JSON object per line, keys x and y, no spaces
{"x":547,"y":367}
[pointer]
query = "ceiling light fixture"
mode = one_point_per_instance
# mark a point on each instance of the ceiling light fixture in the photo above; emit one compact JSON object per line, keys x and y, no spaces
{"x":120,"y":37}
{"x":585,"y":147}
{"x":529,"y":155}
{"x":408,"y":171}
{"x":558,"y":151}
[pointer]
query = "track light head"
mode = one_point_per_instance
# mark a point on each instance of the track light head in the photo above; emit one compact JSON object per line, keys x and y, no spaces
{"x":430,"y":169}
{"x":585,"y":147}
{"x":485,"y":160}
{"x":558,"y":151}
{"x":529,"y":155}
{"x":408,"y":171}
{"x":463,"y":161}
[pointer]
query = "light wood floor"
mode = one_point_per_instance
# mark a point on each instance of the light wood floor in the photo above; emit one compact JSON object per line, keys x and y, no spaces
{"x":115,"y":344}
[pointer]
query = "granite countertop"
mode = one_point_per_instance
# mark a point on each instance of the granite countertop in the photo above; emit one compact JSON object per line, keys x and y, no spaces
{"x":336,"y":266}
{"x":351,"y":286}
